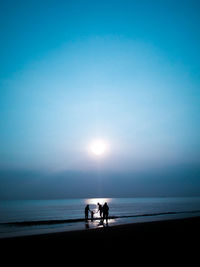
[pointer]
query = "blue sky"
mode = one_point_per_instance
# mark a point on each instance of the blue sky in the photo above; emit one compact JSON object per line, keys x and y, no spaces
{"x":125,"y":71}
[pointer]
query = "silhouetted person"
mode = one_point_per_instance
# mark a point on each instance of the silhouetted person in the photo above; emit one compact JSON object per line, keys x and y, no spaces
{"x":105,"y":212}
{"x":92,"y":215}
{"x":100,"y":209}
{"x":87,"y":208}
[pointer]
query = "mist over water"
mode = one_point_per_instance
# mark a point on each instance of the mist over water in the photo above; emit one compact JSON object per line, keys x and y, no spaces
{"x":158,"y":182}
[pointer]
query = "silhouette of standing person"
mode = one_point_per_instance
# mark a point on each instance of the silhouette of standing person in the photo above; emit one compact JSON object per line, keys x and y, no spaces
{"x":87,"y":208}
{"x":105,"y":212}
{"x":92,"y":215}
{"x":100,"y":209}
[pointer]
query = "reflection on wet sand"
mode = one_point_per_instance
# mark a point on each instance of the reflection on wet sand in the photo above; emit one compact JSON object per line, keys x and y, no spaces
{"x":87,"y":225}
{"x":99,"y":223}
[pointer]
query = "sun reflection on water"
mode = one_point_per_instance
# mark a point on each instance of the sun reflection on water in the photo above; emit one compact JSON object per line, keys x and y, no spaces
{"x":94,"y":201}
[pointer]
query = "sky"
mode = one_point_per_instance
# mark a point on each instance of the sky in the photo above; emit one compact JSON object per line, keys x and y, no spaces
{"x":127,"y":72}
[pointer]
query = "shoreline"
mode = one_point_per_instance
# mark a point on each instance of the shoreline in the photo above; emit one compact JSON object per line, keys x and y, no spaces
{"x":61,"y":221}
{"x":180,"y":225}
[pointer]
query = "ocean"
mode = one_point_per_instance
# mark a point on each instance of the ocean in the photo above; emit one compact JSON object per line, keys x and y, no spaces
{"x":29,"y":217}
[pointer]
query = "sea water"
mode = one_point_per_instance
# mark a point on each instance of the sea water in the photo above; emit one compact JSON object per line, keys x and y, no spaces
{"x":28,"y":217}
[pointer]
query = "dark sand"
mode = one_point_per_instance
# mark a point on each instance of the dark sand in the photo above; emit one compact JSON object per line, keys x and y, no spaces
{"x":162,"y":239}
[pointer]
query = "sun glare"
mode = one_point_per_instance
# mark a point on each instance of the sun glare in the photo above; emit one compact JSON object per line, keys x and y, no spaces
{"x":98,"y":147}
{"x":94,"y":201}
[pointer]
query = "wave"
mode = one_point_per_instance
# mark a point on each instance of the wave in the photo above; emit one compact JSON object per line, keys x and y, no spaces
{"x":62,"y":221}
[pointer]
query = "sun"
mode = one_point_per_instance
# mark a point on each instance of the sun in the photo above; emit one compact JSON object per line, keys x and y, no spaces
{"x":98,"y":147}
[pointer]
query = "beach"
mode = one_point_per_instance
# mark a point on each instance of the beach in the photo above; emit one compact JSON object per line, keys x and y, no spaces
{"x":171,"y":237}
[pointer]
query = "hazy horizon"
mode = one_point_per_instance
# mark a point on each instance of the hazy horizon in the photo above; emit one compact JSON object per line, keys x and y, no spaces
{"x":177,"y":181}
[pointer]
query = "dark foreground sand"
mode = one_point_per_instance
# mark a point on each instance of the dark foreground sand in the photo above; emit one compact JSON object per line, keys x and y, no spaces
{"x":162,"y":239}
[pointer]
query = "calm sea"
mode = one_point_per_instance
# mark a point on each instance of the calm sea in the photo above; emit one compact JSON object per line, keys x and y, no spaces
{"x":27,"y":217}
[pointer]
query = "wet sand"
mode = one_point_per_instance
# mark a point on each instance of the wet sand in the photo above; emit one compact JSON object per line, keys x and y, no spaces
{"x":178,"y":237}
{"x":177,"y":230}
